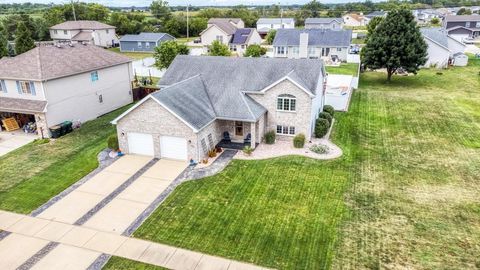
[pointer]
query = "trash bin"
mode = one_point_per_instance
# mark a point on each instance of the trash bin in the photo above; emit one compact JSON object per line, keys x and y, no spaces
{"x":66,"y":127}
{"x":56,"y":131}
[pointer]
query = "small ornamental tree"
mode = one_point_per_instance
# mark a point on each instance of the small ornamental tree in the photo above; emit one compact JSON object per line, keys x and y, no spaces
{"x":270,"y":36}
{"x":435,"y":21}
{"x":255,"y":50}
{"x":396,"y":43}
{"x":23,"y":39}
{"x":167,"y":51}
{"x":219,"y":49}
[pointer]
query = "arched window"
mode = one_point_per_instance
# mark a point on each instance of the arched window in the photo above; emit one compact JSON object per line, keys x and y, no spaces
{"x":286,"y":103}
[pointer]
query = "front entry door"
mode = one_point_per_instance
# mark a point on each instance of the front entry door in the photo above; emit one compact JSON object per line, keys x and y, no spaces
{"x":238,"y":128}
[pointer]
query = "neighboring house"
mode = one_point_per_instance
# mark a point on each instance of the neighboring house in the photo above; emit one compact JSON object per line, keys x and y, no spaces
{"x":52,"y":84}
{"x":204,"y":97}
{"x":312,"y":43}
{"x":242,"y":38}
{"x":264,"y":25}
{"x":353,"y":19}
{"x":221,"y":29}
{"x":426,"y":15}
{"x":143,"y":42}
{"x":463,"y":27}
{"x":324,"y":23}
{"x":378,"y":13}
{"x":442,"y":49}
{"x":91,"y":32}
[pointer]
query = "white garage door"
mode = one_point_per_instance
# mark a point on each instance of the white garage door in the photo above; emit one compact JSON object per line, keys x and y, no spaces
{"x":140,"y":143}
{"x":173,"y":147}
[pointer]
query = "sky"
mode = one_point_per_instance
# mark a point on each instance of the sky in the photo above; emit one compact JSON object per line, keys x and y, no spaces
{"x":126,"y":3}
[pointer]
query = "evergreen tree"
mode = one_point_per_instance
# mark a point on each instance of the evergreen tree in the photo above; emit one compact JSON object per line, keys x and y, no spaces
{"x":23,"y":39}
{"x":3,"y":43}
{"x":396,"y":43}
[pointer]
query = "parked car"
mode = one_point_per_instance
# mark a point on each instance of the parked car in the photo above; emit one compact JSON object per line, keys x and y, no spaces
{"x":354,"y":49}
{"x":468,"y":40}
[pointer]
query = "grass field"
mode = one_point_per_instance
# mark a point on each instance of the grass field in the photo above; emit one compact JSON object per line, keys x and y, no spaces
{"x":405,"y":195}
{"x":133,"y":55}
{"x":31,"y":175}
{"x":344,"y":69}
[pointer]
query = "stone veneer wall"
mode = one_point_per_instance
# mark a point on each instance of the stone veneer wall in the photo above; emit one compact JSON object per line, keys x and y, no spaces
{"x":151,"y":118}
{"x":300,"y":119}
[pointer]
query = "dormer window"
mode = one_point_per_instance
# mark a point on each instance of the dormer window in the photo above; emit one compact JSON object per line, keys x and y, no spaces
{"x":286,"y":103}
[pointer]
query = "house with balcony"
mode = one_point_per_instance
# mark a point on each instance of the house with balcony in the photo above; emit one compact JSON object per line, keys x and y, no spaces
{"x":71,"y":82}
{"x":90,"y":32}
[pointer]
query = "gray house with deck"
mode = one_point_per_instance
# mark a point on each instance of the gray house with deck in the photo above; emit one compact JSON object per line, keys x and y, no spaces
{"x":143,"y":42}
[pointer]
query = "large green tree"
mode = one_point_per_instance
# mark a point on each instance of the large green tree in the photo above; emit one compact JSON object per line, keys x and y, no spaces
{"x":373,"y":24}
{"x":218,"y":49}
{"x":314,"y":7}
{"x":3,"y":43}
{"x":396,"y":43}
{"x":167,"y":51}
{"x":271,"y":36}
{"x":160,"y":9}
{"x":23,"y":39}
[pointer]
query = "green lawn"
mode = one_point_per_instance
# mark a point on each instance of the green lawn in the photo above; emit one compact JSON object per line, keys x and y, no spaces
{"x":358,"y":41}
{"x":118,"y":263}
{"x":31,"y":175}
{"x":404,"y":195}
{"x":344,"y":69}
{"x":133,"y":55}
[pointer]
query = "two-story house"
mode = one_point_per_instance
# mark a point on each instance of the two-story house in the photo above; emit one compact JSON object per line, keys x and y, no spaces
{"x":354,"y":19}
{"x":221,"y":29}
{"x":463,"y":27}
{"x":443,"y":50}
{"x":90,"y":32}
{"x":52,"y":84}
{"x":265,"y":25}
{"x":206,"y":100}
{"x":324,"y":23}
{"x":331,"y":45}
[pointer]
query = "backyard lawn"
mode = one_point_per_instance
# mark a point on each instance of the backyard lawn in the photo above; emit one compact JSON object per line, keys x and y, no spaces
{"x":133,"y":55}
{"x":33,"y":174}
{"x":344,"y":69}
{"x":406,"y":193}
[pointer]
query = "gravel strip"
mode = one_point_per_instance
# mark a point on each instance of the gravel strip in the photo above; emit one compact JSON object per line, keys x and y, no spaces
{"x":100,"y":262}
{"x":38,"y":256}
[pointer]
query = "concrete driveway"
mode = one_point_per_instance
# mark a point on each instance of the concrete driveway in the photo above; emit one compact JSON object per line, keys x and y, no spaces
{"x":121,"y":192}
{"x":10,"y":141}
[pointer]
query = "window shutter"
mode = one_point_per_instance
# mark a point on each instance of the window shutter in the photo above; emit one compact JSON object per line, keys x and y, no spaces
{"x":32,"y":88}
{"x":4,"y":87}
{"x":18,"y":87}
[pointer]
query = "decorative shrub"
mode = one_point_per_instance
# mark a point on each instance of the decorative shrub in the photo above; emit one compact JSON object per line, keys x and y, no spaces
{"x":212,"y":153}
{"x":247,"y":150}
{"x":321,"y":127}
{"x":299,"y":141}
{"x":326,"y":115}
{"x":319,"y":148}
{"x":270,"y":137}
{"x":329,"y":109}
{"x":218,"y":149}
{"x":112,"y":142}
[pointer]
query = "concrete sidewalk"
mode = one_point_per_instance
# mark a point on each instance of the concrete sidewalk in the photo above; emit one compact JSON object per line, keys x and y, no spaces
{"x":80,"y":245}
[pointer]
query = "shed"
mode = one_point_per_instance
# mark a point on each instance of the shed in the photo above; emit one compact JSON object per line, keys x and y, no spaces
{"x":460,"y":59}
{"x":143,"y":42}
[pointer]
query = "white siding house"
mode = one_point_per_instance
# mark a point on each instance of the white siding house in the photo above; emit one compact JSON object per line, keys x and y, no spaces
{"x":264,"y":25}
{"x":324,"y":23}
{"x":441,"y":47}
{"x":52,"y":84}
{"x":91,"y":32}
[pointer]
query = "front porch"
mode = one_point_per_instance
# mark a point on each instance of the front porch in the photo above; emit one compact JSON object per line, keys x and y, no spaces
{"x":234,"y":145}
{"x":239,"y":134}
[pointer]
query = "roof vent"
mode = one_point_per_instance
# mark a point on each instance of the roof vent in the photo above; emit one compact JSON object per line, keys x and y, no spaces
{"x":84,"y":43}
{"x":70,"y":44}
{"x":58,"y":45}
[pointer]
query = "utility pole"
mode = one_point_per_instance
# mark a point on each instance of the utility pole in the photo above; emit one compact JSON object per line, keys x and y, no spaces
{"x":188,"y":29}
{"x":73,"y":9}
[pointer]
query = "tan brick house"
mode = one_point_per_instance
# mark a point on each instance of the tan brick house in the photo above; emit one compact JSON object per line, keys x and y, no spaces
{"x":204,"y":100}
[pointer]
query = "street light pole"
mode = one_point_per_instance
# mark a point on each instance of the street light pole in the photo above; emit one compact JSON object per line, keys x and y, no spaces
{"x":188,"y":20}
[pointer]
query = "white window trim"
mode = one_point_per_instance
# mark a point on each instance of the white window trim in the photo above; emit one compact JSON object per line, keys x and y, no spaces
{"x":25,"y":85}
{"x":288,"y":130}
{"x":290,"y":99}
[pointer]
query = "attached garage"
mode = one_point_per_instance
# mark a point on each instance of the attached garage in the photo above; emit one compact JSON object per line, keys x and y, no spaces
{"x":173,"y":147}
{"x":140,"y":144}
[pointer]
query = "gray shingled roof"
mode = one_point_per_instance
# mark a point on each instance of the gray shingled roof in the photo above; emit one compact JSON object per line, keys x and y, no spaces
{"x":275,"y":20}
{"x":316,"y":37}
{"x":84,"y":25}
{"x":224,"y":24}
{"x":22,"y":105}
{"x":224,"y":81}
{"x":49,"y":62}
{"x":153,"y":37}
{"x":322,"y":20}
{"x":462,"y":18}
{"x":189,"y":100}
{"x":437,"y":34}
{"x":83,"y":36}
{"x":377,"y":13}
